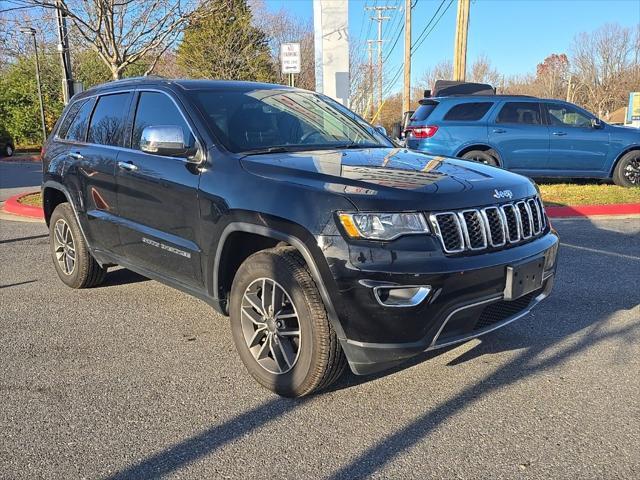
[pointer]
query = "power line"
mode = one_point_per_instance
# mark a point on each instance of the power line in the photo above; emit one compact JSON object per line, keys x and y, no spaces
{"x":420,"y":42}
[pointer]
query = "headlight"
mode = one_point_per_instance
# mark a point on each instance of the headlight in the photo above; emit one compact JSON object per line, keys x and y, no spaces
{"x":382,"y":226}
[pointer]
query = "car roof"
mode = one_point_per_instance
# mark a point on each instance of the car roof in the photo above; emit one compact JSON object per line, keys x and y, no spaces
{"x":492,"y":97}
{"x":184,"y":84}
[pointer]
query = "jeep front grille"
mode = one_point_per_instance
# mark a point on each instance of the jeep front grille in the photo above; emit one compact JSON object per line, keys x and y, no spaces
{"x":490,"y":227}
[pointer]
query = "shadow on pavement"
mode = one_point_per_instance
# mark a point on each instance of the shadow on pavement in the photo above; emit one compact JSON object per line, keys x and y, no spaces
{"x":23,"y":239}
{"x":121,"y":276}
{"x":537,"y":339}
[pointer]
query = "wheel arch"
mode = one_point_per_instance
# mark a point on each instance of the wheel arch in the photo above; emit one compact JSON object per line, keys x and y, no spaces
{"x":53,"y":194}
{"x":483,"y":147}
{"x":269,"y":237}
{"x":630,"y":148}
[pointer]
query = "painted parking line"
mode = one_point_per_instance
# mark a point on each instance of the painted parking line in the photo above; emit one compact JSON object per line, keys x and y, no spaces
{"x":602,"y":252}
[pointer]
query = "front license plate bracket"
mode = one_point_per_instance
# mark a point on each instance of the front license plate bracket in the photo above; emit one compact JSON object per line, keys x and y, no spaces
{"x":523,"y":278}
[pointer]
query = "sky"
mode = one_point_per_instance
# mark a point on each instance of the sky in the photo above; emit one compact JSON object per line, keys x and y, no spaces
{"x":515,"y":35}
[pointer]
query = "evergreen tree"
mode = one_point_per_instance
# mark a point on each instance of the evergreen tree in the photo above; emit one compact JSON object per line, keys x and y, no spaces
{"x":226,"y":45}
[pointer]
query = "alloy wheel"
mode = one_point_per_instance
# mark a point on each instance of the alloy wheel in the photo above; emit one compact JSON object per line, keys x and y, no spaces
{"x":270,"y":326}
{"x":632,"y":170}
{"x":64,"y":247}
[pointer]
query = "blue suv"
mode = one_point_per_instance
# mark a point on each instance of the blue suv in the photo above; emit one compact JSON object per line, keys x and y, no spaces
{"x":532,"y":136}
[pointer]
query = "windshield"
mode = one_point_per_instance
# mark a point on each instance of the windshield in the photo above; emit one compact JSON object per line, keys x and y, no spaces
{"x":265,"y":120}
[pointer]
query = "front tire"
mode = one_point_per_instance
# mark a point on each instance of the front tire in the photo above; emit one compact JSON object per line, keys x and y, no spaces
{"x":8,"y":150}
{"x":72,"y":260}
{"x":280,"y":325}
{"x":627,"y":172}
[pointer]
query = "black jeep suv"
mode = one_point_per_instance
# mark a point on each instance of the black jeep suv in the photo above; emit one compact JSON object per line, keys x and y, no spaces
{"x":323,"y":242}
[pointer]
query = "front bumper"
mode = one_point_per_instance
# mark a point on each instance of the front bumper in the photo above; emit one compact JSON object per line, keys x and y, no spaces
{"x":466,"y":298}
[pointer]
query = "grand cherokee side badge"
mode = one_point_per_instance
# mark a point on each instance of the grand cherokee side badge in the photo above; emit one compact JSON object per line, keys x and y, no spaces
{"x":502,"y":194}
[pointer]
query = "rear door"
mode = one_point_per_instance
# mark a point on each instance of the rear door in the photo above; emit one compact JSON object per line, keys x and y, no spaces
{"x":105,"y":138}
{"x":157,"y":197}
{"x":575,"y":147}
{"x":520,"y":136}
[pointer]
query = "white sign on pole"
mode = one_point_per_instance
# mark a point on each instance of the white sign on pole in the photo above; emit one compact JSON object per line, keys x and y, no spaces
{"x":290,"y":57}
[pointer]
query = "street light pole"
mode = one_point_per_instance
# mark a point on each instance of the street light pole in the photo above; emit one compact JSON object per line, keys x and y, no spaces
{"x":32,"y":32}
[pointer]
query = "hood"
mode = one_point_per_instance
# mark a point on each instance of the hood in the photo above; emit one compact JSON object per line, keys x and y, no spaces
{"x":393,"y":179}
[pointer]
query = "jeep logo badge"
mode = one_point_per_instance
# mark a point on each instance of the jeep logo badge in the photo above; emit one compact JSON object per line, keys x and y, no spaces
{"x":502,"y":194}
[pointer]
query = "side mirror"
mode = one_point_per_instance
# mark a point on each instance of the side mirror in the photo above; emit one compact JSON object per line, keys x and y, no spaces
{"x":166,"y":140}
{"x":381,"y":129}
{"x":596,"y":123}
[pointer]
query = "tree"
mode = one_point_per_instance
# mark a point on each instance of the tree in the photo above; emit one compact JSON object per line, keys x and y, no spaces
{"x":123,"y":32}
{"x":605,"y":67}
{"x":19,"y":104}
{"x":226,"y":45}
{"x":281,"y":27}
{"x":552,"y":76}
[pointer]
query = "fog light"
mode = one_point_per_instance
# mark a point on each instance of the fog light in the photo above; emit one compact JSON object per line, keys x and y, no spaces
{"x":401,"y":295}
{"x":550,"y":257}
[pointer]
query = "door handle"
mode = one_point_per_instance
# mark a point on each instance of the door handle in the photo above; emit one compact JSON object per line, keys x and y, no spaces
{"x":499,"y":130}
{"x":76,"y":155}
{"x":127,"y":166}
{"x":559,"y":134}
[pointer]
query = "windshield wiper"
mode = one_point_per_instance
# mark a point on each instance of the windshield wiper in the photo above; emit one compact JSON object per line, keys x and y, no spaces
{"x":359,"y":145}
{"x":262,"y":151}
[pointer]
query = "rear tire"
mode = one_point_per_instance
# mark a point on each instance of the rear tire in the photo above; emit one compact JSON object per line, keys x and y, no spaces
{"x":481,"y":157}
{"x":263,"y":324}
{"x":72,"y":259}
{"x":627,"y":171}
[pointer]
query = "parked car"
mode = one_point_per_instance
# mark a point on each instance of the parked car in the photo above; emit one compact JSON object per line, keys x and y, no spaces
{"x":532,"y":136}
{"x":7,"y":145}
{"x":324,"y":243}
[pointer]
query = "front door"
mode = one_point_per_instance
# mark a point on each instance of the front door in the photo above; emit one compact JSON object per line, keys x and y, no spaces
{"x":576,"y":146}
{"x":158,"y":198}
{"x":520,"y":136}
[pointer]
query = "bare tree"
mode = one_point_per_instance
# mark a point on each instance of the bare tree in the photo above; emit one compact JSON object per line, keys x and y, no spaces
{"x":605,"y":66}
{"x":281,"y":27}
{"x":123,"y":32}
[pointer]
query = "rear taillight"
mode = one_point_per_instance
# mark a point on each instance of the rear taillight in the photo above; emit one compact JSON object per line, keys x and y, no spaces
{"x":422,"y":132}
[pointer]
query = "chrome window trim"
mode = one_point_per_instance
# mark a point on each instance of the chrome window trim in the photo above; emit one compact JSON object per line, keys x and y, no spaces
{"x":127,"y":149}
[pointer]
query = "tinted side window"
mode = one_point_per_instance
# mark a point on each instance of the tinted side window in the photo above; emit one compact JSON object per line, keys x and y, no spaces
{"x":526,"y":113}
{"x":107,"y":122}
{"x":566,"y":115}
{"x":77,"y":130}
{"x":468,"y":111}
{"x":157,"y":109}
{"x":71,"y":114}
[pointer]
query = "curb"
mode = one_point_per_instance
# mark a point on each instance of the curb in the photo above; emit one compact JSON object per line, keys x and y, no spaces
{"x":593,"y":210}
{"x":12,"y":205}
{"x":35,"y":158}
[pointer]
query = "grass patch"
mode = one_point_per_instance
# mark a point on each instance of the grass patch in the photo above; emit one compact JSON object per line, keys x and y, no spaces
{"x":33,"y":200}
{"x":590,"y":194}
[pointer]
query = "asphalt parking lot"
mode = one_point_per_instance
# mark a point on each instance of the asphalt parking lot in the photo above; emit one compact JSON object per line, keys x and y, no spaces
{"x":136,"y":380}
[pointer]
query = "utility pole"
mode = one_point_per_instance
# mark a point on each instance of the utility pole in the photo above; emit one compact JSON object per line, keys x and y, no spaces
{"x":63,"y":49}
{"x":460,"y":48}
{"x":406,"y":93}
{"x":379,"y":18}
{"x":370,"y":83}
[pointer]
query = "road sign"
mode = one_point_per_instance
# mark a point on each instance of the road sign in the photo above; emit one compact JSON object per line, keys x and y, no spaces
{"x":290,"y":57}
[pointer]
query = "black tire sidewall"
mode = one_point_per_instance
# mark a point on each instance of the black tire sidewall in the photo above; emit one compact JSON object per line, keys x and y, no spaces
{"x":270,"y":265}
{"x":479,"y":154}
{"x":618,"y":175}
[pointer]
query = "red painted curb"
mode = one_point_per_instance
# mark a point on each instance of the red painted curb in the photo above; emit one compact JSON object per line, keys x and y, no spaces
{"x":593,"y":210}
{"x":12,"y":205}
